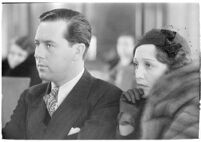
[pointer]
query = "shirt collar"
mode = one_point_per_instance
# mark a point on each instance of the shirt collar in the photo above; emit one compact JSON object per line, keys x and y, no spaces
{"x":72,"y":81}
{"x":67,"y":87}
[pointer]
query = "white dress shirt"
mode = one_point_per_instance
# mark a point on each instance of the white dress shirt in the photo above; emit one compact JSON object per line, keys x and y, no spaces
{"x":66,"y":88}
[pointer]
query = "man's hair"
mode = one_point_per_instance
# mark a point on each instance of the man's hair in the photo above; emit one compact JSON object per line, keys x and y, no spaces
{"x":78,"y":29}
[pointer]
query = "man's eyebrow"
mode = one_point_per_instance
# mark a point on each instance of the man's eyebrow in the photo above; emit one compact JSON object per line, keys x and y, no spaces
{"x":45,"y":41}
{"x":48,"y":41}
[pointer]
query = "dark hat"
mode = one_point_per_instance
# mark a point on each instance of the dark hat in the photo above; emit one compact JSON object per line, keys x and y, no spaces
{"x":171,"y":43}
{"x":166,"y":40}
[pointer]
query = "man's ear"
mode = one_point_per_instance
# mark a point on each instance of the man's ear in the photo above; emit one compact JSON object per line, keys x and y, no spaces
{"x":79,"y":49}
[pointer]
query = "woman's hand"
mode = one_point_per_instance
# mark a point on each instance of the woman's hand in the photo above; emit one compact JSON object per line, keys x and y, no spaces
{"x":130,"y":103}
{"x":133,"y":95}
{"x":125,"y":124}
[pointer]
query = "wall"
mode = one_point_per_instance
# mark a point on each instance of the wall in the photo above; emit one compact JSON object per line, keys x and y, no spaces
{"x":108,"y":21}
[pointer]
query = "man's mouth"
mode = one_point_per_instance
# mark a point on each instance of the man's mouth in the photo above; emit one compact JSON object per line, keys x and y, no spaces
{"x":41,"y":66}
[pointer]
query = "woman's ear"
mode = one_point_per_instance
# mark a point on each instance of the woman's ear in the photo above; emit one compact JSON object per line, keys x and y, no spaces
{"x":79,"y":49}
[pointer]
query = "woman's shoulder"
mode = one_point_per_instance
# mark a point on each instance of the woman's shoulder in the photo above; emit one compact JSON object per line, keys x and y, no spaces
{"x":176,"y":90}
{"x":177,"y":85}
{"x":172,"y":102}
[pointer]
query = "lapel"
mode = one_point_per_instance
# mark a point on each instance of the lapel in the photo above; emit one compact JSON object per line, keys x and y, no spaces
{"x":66,"y":116}
{"x":37,"y":112}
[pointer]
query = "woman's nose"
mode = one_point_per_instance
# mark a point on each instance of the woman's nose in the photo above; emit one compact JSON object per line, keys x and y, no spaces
{"x":139,"y":72}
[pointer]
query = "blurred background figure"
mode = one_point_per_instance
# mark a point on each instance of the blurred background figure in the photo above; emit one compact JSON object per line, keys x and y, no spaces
{"x":96,"y":67}
{"x":91,"y":53}
{"x":121,"y":72}
{"x":20,"y":61}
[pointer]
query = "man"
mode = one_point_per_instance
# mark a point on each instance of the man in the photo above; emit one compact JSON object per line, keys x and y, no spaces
{"x":73,"y":105}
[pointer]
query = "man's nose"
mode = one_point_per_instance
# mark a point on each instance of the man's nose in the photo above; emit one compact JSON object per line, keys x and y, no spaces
{"x":39,"y":52}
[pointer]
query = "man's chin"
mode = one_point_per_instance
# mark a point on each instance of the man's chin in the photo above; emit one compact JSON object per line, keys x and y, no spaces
{"x":44,"y":77}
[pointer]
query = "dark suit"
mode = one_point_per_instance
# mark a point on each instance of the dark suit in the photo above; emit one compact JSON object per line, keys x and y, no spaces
{"x":92,"y":105}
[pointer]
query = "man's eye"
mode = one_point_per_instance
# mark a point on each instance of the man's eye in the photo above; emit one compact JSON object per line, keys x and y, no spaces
{"x":49,"y":45}
{"x":36,"y":43}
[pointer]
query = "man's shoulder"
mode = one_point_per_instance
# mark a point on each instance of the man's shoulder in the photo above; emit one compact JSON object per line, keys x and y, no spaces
{"x":102,"y":85}
{"x":34,"y":93}
{"x":103,"y":89}
{"x":38,"y":89}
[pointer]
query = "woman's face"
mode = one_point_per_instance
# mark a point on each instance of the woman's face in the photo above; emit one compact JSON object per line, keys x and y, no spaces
{"x":16,"y":55}
{"x":147,"y":68}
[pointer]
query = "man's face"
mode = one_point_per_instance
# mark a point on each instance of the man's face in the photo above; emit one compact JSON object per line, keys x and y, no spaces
{"x":54,"y":54}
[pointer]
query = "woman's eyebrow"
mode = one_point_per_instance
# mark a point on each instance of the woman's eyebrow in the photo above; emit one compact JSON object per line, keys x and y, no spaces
{"x":149,"y":59}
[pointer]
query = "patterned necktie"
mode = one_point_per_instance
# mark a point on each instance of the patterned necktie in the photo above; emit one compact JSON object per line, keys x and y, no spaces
{"x":51,"y":100}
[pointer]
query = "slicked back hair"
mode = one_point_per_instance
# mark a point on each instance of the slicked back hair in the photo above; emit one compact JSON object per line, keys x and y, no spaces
{"x":78,"y":29}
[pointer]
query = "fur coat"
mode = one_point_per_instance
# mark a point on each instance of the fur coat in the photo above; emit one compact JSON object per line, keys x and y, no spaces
{"x":172,"y":109}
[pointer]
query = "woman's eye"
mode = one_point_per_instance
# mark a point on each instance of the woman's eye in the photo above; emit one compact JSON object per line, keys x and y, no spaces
{"x":135,"y":64}
{"x":148,"y":65}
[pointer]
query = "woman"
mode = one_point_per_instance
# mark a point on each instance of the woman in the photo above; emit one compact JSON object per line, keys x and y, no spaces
{"x":20,"y":61}
{"x":165,"y":102}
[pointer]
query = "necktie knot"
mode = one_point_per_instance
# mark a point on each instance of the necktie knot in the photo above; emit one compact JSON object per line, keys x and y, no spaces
{"x":54,"y":92}
{"x":51,"y":100}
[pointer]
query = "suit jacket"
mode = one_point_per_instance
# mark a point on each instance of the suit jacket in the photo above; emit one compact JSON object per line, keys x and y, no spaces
{"x":92,"y":105}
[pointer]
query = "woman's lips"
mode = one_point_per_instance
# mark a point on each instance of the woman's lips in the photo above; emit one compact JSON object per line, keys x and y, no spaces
{"x":142,"y":85}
